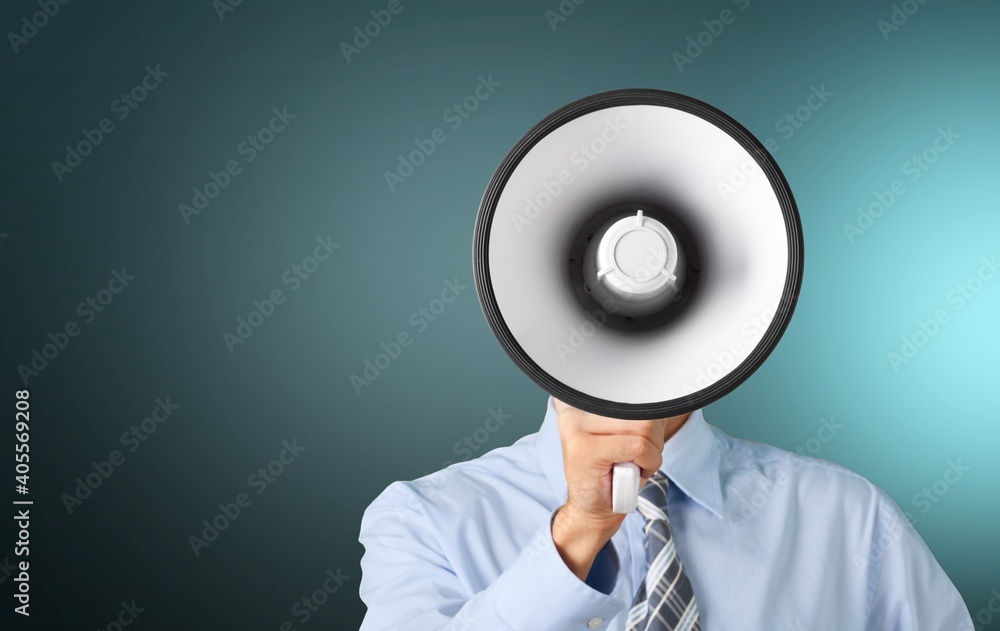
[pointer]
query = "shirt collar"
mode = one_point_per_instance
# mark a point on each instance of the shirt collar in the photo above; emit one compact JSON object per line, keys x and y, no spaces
{"x":690,"y":459}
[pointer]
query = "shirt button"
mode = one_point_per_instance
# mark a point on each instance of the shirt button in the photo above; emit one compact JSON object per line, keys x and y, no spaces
{"x":593,"y":623}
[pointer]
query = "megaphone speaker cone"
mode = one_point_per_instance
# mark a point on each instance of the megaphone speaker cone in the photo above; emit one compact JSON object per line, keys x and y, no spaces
{"x":638,"y":254}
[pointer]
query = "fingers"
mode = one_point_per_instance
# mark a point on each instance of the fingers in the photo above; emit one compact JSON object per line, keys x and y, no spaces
{"x":601,"y":452}
{"x":574,"y":419}
{"x":637,"y":449}
{"x":603,"y":425}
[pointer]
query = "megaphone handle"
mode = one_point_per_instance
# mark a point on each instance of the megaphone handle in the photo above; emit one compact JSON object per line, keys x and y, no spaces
{"x":624,"y":487}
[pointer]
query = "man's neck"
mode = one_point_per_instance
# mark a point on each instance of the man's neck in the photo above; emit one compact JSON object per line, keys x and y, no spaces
{"x":673,"y":424}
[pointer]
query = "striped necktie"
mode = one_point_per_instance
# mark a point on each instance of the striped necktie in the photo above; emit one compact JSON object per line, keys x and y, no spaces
{"x":665,"y":601}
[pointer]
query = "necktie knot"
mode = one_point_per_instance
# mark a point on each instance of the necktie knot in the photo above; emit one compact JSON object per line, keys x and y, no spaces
{"x":652,"y":502}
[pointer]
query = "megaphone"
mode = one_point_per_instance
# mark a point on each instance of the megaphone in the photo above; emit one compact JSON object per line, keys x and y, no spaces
{"x":638,"y":254}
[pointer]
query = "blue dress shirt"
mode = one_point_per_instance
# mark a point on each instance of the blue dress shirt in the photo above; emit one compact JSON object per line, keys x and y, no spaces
{"x":770,"y":540}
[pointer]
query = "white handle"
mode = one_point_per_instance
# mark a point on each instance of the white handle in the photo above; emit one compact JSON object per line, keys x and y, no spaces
{"x":624,"y":487}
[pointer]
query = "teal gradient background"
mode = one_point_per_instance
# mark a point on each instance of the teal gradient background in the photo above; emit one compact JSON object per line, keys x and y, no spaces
{"x":324,"y":175}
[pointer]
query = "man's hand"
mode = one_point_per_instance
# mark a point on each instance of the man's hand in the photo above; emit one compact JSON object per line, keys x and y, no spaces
{"x":591,"y":445}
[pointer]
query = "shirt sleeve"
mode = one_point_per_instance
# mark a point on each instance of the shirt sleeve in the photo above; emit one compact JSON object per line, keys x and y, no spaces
{"x":408,"y":583}
{"x":909,"y":589}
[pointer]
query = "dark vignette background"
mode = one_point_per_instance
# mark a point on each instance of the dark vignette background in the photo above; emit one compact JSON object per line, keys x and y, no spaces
{"x":901,"y":424}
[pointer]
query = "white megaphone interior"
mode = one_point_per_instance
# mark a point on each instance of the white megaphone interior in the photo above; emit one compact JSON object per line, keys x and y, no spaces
{"x":636,"y":153}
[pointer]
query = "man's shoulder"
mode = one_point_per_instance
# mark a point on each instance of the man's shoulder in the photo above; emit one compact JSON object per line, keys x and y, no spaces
{"x":821,"y":482}
{"x":495,"y":474}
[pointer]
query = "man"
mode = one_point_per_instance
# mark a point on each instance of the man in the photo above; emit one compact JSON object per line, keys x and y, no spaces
{"x":730,"y":535}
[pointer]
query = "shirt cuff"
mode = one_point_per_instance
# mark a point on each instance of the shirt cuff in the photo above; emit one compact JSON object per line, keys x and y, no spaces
{"x":540,"y":592}
{"x":604,"y":572}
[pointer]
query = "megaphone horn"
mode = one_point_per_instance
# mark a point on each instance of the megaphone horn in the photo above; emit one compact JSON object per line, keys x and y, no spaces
{"x":616,"y":216}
